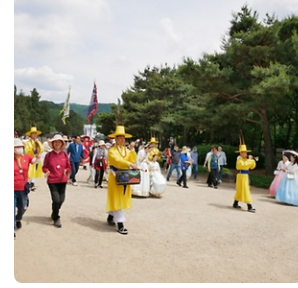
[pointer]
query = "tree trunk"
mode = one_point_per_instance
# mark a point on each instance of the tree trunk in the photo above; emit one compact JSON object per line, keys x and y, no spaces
{"x":269,"y":156}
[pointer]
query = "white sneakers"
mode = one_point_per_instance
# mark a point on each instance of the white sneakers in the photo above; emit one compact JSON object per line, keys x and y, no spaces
{"x":74,"y":183}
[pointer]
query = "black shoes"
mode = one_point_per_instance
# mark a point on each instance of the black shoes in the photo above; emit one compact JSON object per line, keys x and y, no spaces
{"x":252,"y":210}
{"x":57,"y":223}
{"x":32,"y":186}
{"x":235,"y":205}
{"x":121,"y":229}
{"x":19,"y":224}
{"x":249,"y":207}
{"x":185,"y":186}
{"x":178,"y":183}
{"x":110,"y":220}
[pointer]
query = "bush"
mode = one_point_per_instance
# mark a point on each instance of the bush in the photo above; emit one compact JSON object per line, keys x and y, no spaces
{"x":260,"y":181}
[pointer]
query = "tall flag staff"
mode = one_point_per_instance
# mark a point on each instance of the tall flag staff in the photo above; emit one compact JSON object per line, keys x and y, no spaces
{"x":93,"y":106}
{"x":66,"y":108}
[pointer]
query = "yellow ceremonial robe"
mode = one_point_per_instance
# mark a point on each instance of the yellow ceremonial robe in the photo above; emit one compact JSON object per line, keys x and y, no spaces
{"x":154,"y":151}
{"x":242,"y":181}
{"x":116,"y":199}
{"x":35,"y":170}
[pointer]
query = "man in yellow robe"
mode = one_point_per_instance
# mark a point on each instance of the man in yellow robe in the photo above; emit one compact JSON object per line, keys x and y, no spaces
{"x":34,"y":148}
{"x":119,"y":196}
{"x":243,"y":165}
{"x":154,"y":150}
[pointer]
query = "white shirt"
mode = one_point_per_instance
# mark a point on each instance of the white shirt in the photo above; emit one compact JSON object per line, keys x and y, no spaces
{"x":142,"y":157}
{"x":222,"y":158}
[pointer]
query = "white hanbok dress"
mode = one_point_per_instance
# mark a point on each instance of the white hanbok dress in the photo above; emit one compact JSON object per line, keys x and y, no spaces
{"x":158,"y":182}
{"x":143,"y":188}
{"x":287,"y":191}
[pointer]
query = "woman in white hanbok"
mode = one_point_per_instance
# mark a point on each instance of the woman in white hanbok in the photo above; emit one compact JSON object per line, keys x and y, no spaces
{"x":158,"y":182}
{"x":143,"y":188}
{"x":287,"y":190}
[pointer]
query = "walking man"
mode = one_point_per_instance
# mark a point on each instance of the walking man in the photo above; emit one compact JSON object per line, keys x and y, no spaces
{"x":76,"y":152}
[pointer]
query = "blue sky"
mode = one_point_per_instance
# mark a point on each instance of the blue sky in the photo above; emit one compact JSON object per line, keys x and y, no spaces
{"x":72,"y":43}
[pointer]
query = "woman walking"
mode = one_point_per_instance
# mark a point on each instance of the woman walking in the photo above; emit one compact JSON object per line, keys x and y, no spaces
{"x":99,"y":162}
{"x":57,"y":168}
{"x":185,"y":163}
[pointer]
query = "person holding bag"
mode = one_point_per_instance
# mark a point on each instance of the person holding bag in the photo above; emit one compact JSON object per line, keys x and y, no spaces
{"x":21,"y":167}
{"x":119,"y":196}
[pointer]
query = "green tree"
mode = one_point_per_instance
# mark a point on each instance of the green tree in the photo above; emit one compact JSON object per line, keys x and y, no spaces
{"x":74,"y":126}
{"x":105,"y":122}
{"x":246,"y":78}
{"x":21,"y":114}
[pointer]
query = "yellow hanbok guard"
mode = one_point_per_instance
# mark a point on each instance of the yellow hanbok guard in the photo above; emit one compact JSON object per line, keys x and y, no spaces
{"x":119,"y":196}
{"x":243,"y":166}
{"x":33,"y":147}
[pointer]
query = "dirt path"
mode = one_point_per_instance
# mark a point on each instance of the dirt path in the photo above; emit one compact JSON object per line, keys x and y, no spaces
{"x":189,"y":236}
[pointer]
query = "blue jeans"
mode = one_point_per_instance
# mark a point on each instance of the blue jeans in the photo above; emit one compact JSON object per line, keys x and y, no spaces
{"x":74,"y":170}
{"x":220,"y":173}
{"x":20,"y":204}
{"x":172,"y":167}
{"x":195,"y":170}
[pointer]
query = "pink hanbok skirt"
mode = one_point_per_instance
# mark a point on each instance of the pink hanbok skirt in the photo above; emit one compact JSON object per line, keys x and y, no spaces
{"x":275,"y":183}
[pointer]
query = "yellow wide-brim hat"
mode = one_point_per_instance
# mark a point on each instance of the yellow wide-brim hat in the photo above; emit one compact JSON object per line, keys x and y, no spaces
{"x":33,"y":130}
{"x":242,"y":148}
{"x":185,"y":150}
{"x":153,"y":140}
{"x":120,"y":131}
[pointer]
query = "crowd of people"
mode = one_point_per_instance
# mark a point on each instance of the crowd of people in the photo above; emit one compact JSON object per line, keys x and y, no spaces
{"x":60,"y":156}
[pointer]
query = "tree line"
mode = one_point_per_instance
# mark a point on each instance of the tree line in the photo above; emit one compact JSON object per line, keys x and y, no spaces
{"x":30,"y":111}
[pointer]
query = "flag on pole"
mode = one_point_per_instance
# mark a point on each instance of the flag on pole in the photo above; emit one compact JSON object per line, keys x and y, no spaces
{"x":65,"y":108}
{"x":93,"y":103}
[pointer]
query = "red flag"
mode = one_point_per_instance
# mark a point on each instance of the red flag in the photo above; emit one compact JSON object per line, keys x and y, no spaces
{"x":93,"y":103}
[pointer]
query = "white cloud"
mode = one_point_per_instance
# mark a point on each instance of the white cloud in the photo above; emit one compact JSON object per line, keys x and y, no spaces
{"x":43,"y":76}
{"x":75,"y":42}
{"x":168,"y":27}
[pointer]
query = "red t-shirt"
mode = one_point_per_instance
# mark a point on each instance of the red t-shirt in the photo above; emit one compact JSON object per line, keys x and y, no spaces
{"x":21,"y":173}
{"x":56,"y":163}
